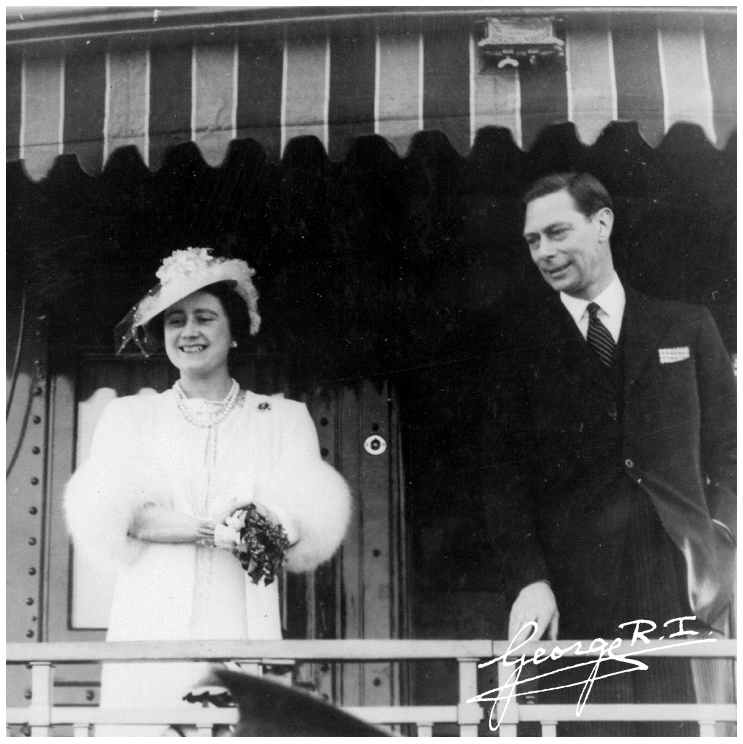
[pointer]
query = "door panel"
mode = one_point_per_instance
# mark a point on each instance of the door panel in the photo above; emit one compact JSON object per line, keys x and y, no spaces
{"x":369,"y":581}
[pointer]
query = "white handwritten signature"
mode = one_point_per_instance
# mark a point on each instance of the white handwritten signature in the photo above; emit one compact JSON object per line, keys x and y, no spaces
{"x":605,"y":650}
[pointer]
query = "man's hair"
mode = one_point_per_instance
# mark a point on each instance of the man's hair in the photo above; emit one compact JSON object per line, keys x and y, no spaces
{"x":587,"y":191}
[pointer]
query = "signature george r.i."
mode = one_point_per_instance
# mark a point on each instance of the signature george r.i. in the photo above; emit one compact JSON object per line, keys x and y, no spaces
{"x":600,"y":651}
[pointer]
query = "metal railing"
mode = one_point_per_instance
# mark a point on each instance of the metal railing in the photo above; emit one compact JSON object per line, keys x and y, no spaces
{"x":467,"y":712}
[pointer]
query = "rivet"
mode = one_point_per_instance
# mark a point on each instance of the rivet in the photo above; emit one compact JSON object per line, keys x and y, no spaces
{"x":375,"y":427}
{"x":324,"y":451}
{"x":29,"y":634}
{"x":27,"y":694}
{"x":323,"y":421}
{"x":30,"y":601}
{"x":33,"y":510}
{"x":377,"y":681}
{"x":376,"y":552}
{"x":39,"y":391}
{"x":36,"y":450}
{"x":32,"y":541}
{"x":32,"y":571}
{"x":33,"y":618}
{"x":37,"y":419}
{"x":34,"y":481}
{"x":89,"y":695}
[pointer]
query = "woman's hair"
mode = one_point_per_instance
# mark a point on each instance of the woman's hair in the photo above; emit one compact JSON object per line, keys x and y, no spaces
{"x":234,"y":307}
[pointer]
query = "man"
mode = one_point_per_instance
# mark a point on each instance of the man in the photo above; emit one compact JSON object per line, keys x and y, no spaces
{"x":611,"y":446}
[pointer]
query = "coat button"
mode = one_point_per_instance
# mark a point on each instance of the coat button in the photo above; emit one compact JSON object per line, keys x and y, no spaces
{"x":629,"y":463}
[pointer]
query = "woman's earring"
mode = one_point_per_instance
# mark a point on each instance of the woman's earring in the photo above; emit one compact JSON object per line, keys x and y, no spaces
{"x":233,"y":345}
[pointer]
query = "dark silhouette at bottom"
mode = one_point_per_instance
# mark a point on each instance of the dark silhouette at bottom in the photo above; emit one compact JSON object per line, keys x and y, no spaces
{"x":271,"y":709}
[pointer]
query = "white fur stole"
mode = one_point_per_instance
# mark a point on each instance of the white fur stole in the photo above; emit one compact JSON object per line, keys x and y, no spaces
{"x":316,"y":502}
{"x":101,"y":502}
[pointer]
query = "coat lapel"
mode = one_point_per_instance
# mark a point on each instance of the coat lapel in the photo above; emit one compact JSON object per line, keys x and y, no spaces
{"x":566,"y":345}
{"x":642,"y":331}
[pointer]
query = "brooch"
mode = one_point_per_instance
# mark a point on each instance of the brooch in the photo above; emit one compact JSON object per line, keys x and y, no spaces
{"x":264,"y":406}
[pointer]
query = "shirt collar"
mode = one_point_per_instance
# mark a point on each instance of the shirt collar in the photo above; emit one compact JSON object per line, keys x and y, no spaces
{"x":611,"y":301}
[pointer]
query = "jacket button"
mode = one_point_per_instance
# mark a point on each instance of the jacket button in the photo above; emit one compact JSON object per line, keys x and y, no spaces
{"x":629,"y":463}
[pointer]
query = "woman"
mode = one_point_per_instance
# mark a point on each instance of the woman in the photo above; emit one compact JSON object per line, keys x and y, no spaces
{"x":165,"y":472}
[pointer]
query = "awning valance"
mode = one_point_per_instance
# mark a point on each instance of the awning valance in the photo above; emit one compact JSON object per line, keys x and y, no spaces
{"x":656,"y":70}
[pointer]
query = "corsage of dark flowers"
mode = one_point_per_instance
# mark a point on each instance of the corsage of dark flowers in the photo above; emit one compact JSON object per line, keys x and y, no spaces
{"x":259,"y":543}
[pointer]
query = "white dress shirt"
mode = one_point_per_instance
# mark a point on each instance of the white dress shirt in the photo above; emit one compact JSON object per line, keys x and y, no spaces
{"x":611,"y":303}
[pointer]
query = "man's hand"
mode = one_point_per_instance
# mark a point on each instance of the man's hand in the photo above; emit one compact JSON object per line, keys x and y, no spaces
{"x":536,"y":603}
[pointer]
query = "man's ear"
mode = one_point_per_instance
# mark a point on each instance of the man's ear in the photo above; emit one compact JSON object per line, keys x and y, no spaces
{"x":605,"y":220}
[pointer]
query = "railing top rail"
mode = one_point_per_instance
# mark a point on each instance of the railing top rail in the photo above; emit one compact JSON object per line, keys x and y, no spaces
{"x":387,"y":714}
{"x":343,"y":650}
{"x":197,"y":715}
{"x":631,"y":712}
{"x":693,"y":646}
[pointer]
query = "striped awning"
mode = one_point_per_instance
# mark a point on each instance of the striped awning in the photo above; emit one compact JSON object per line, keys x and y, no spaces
{"x":653,"y":69}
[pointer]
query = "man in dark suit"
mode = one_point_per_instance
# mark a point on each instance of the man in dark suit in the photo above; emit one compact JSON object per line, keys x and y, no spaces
{"x":611,"y":448}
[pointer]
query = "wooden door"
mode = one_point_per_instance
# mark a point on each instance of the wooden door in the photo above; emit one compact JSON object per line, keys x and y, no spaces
{"x":357,"y":595}
{"x":358,"y":428}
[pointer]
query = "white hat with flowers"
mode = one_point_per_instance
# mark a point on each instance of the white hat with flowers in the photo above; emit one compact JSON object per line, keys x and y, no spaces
{"x":182,"y":273}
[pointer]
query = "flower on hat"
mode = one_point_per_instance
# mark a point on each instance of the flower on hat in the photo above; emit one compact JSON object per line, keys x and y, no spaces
{"x":186,"y":263}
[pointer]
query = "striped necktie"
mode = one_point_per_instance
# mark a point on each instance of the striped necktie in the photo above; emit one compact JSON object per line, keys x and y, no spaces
{"x":599,"y":338}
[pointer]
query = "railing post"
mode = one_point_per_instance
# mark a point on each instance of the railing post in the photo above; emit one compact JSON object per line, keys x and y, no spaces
{"x":81,"y":729}
{"x":468,"y":714}
{"x":286,"y":678}
{"x":40,"y":710}
{"x":549,"y":728}
{"x":249,"y":666}
{"x":707,"y":728}
{"x":510,"y":717}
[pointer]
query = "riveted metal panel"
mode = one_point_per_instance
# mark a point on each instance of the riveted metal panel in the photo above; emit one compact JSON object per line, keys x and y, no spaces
{"x":26,"y":452}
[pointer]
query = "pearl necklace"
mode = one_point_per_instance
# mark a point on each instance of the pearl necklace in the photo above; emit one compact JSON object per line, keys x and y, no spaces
{"x":205,"y":413}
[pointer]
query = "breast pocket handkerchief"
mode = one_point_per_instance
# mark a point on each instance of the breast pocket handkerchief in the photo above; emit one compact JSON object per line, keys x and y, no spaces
{"x":675,"y":354}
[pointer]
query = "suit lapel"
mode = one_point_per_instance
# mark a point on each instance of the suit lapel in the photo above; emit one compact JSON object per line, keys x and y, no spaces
{"x":566,"y":345}
{"x":642,"y":331}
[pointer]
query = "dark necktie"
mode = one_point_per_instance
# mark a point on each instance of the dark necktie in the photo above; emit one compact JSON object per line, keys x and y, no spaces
{"x":599,"y":338}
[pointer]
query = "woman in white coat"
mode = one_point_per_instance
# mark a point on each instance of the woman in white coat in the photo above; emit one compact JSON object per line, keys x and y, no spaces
{"x":165,"y":471}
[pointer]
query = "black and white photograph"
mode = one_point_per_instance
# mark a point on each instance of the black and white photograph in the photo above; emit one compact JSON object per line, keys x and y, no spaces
{"x":371,"y":370}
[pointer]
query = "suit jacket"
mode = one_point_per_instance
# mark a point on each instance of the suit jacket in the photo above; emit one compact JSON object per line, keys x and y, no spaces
{"x":558,"y":432}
